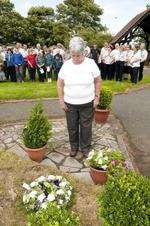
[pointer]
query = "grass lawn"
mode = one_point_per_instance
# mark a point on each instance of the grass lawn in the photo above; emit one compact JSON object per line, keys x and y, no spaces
{"x":28,"y":90}
{"x":14,"y":172}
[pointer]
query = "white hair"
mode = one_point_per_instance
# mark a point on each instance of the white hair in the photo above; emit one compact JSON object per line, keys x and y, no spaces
{"x":77,"y":44}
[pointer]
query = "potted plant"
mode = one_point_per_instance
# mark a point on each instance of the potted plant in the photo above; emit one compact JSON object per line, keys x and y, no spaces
{"x":36,"y":133}
{"x":100,"y":161}
{"x":103,"y":109}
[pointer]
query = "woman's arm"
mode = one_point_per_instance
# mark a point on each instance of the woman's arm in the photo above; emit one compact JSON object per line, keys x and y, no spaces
{"x":60,"y":91}
{"x":97,"y":84}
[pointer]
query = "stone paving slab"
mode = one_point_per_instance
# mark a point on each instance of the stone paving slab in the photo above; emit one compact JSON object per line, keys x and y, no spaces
{"x":58,"y":146}
{"x":48,"y":162}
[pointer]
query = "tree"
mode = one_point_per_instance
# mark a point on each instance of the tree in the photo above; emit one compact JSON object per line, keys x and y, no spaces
{"x":61,"y":33}
{"x":98,"y":38}
{"x":41,"y":12}
{"x":41,"y":23}
{"x":79,"y":13}
{"x":14,"y":28}
{"x":6,"y":6}
{"x":13,"y":25}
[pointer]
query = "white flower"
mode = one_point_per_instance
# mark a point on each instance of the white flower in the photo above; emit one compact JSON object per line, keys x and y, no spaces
{"x":67,"y":198}
{"x":69,"y":193}
{"x":41,"y":198}
{"x":60,"y":201}
{"x":26,"y":186}
{"x":63,"y":184}
{"x":44,"y":205}
{"x":106,"y":158}
{"x":51,"y":177}
{"x":26,"y":198}
{"x":100,"y":161}
{"x":33,"y":194}
{"x":60,"y":192}
{"x":59,"y":178}
{"x":90,"y":155}
{"x":34,"y":184}
{"x":104,"y":167}
{"x":51,"y":197}
{"x":100,"y":154}
{"x":41,"y":179}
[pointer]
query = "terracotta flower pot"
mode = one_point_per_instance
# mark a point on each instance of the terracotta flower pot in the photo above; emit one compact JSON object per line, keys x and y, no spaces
{"x":98,"y":176}
{"x":101,"y":116}
{"x":37,"y":154}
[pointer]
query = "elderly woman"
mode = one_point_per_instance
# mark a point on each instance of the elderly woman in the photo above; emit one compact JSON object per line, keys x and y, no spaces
{"x":78,"y":88}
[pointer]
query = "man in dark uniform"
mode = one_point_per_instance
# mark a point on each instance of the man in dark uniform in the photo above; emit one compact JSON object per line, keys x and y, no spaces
{"x":95,"y":53}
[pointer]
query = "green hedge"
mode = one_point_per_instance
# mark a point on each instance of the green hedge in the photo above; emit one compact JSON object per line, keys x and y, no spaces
{"x":106,"y":96}
{"x":53,"y":216}
{"x":125,"y":200}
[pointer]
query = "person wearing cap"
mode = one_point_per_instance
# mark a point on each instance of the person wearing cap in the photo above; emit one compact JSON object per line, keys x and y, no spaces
{"x":78,"y":89}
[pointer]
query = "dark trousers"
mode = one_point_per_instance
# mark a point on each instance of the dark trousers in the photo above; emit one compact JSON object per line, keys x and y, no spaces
{"x":49,"y":73}
{"x":119,"y":70}
{"x":5,"y":69}
{"x":32,"y":72}
{"x":103,"y":70}
{"x":18,"y":69}
{"x":42,"y":76}
{"x":135,"y":72}
{"x":56,"y":71}
{"x":109,"y":71}
{"x":141,"y":71}
{"x":24,"y":67}
{"x":79,"y":123}
{"x":113,"y":70}
{"x":11,"y":73}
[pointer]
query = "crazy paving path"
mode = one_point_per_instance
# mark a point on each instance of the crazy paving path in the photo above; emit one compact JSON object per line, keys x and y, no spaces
{"x":58,"y":146}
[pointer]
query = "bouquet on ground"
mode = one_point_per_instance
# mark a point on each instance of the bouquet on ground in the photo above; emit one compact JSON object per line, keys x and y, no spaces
{"x":105,"y":158}
{"x":47,"y":189}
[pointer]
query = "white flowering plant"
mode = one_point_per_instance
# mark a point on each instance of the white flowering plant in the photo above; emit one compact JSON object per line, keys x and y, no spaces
{"x":47,"y":189}
{"x":104,"y":158}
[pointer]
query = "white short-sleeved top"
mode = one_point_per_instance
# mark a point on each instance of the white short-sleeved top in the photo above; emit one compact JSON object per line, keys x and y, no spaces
{"x":79,"y":81}
{"x":135,"y":60}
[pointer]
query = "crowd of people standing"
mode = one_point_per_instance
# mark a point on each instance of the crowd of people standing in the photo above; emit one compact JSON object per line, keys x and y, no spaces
{"x":115,"y":63}
{"x":14,"y":62}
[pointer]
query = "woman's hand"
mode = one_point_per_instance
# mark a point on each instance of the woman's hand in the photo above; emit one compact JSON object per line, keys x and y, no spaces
{"x":96,"y":101}
{"x":63,"y":105}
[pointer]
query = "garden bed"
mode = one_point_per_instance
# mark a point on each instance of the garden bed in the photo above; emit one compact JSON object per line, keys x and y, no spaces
{"x":15,"y":171}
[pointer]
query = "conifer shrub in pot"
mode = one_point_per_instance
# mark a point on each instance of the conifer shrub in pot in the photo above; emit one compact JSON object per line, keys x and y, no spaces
{"x":102,"y":111}
{"x":36,"y":133}
{"x":125,"y":200}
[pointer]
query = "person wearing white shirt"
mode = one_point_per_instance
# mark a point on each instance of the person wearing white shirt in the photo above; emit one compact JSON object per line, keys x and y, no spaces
{"x":109,"y":61}
{"x":24,"y":53}
{"x":87,"y":51}
{"x":115,"y":55}
{"x":144,"y":54}
{"x":119,"y":58}
{"x":103,"y":54}
{"x":3,"y":52}
{"x":128,"y":54}
{"x":38,"y":48}
{"x":78,"y":87}
{"x":135,"y":64}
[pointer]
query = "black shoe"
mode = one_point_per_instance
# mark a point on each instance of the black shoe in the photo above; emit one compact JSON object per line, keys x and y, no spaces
{"x":73,"y":153}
